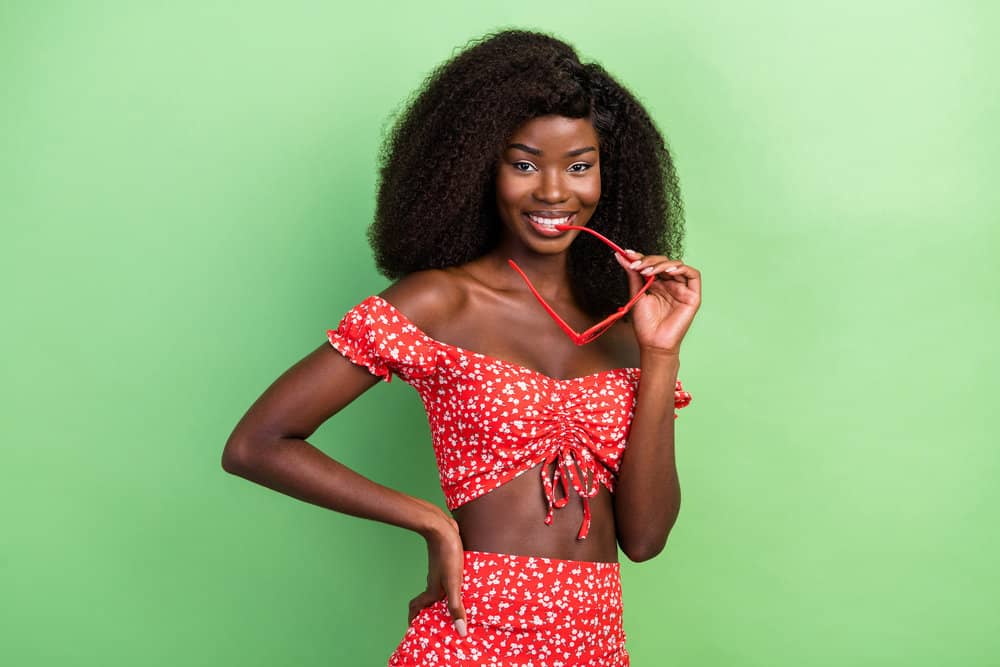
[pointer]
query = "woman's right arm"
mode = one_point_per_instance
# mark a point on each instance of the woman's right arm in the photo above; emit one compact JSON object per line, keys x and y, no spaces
{"x":269,"y":447}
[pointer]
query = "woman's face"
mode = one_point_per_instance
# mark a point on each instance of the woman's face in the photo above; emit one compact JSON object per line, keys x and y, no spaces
{"x":549,"y":173}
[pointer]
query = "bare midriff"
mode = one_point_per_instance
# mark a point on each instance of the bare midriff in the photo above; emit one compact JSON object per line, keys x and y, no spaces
{"x":511,"y":519}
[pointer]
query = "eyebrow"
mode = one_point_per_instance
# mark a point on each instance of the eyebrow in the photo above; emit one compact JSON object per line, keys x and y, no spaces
{"x":538,"y":151}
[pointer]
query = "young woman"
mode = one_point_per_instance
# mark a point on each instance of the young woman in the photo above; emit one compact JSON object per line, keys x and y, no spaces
{"x":554,"y":450}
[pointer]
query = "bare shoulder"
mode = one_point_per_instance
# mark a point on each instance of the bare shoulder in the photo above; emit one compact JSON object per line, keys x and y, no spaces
{"x":428,"y":298}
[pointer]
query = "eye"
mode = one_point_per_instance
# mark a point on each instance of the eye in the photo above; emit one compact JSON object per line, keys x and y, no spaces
{"x":584,"y":166}
{"x":523,"y":166}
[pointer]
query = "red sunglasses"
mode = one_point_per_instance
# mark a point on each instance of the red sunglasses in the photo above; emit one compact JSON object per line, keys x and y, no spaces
{"x":605,"y":324}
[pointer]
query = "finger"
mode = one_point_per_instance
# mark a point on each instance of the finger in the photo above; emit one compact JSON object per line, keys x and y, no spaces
{"x":686,"y":270}
{"x":455,"y":607}
{"x":427,"y":597}
{"x":634,"y":281}
{"x":640,"y":262}
{"x":418,"y":603}
{"x":694,"y":280}
{"x":687,"y":279}
{"x":663,"y":266}
{"x":687,"y":275}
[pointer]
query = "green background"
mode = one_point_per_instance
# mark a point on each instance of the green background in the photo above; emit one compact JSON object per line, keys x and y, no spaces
{"x":184,"y":192}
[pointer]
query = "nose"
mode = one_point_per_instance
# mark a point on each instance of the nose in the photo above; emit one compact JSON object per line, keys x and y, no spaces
{"x":551,"y":187}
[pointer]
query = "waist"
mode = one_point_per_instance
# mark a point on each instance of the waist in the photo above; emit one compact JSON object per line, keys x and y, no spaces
{"x":510,"y":520}
{"x":523,"y":578}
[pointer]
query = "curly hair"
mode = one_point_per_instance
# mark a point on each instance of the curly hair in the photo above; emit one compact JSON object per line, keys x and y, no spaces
{"x":437,"y":164}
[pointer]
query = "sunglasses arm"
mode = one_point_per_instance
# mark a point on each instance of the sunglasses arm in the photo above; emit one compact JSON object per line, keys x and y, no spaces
{"x":562,"y":323}
{"x":602,"y":326}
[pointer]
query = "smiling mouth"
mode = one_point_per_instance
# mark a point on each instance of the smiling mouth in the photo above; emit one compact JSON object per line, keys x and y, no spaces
{"x":547,"y":223}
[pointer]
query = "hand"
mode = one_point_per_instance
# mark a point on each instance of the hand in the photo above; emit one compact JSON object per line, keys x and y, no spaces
{"x":661,"y":318}
{"x":445,"y":562}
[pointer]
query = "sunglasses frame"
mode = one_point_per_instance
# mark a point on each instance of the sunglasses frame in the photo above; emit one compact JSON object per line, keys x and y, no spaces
{"x":593,"y":332}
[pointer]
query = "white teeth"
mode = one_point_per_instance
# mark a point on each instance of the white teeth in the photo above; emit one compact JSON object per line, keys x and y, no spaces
{"x":549,"y":222}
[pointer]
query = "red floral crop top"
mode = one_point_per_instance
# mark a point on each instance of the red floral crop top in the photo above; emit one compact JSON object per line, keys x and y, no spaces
{"x":493,"y":420}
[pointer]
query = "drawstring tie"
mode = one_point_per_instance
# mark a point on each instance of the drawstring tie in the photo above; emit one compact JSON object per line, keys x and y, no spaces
{"x":572,"y":462}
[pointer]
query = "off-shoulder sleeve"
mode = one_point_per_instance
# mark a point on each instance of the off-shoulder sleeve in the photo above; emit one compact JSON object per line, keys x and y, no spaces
{"x":375,"y":335}
{"x":681,"y":398}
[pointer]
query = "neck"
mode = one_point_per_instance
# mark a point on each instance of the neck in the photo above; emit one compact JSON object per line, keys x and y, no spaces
{"x":548,"y":273}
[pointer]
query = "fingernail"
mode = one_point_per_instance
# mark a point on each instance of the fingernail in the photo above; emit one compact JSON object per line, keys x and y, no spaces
{"x":647,"y":271}
{"x":460,"y":626}
{"x":635,"y":264}
{"x":672,"y":268}
{"x":631,"y":252}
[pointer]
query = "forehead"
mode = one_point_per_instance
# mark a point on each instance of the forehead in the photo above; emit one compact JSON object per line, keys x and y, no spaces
{"x":556,"y":134}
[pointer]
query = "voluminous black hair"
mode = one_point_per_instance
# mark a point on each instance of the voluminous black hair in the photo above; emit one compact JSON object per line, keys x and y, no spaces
{"x":436,"y":202}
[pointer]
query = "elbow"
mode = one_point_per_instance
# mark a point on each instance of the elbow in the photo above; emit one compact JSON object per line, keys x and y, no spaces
{"x":236,"y":456}
{"x":643,"y":551}
{"x":645,"y":544}
{"x":646,"y":540}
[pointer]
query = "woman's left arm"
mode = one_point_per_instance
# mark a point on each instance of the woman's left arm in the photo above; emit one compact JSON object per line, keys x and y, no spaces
{"x":647,"y":495}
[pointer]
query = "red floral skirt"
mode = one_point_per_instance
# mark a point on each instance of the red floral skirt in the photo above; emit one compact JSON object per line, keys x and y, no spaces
{"x":525,"y":611}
